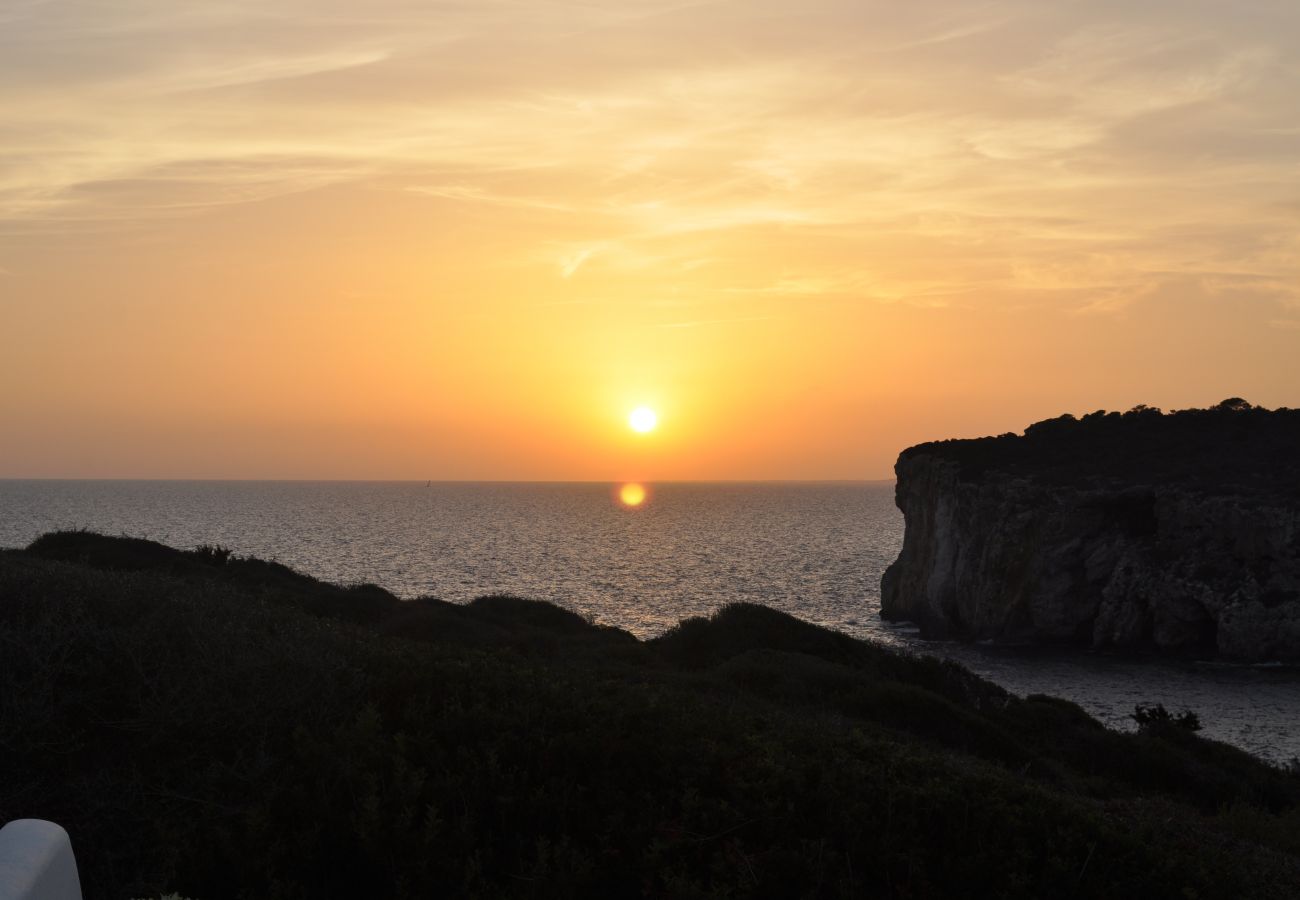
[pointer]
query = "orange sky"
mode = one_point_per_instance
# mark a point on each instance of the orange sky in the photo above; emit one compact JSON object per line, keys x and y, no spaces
{"x":292,"y":239}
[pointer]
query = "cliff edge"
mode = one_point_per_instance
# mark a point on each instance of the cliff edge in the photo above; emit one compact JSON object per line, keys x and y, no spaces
{"x":1177,"y":532}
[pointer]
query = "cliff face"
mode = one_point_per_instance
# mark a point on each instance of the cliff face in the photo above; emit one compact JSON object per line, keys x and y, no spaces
{"x":1004,"y":542}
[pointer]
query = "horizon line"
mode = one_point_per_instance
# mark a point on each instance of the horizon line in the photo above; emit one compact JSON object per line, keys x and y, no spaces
{"x":602,"y":481}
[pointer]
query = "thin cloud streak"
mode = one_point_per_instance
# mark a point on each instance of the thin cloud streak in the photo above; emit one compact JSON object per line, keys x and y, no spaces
{"x":697,"y":323}
{"x":1028,"y":135}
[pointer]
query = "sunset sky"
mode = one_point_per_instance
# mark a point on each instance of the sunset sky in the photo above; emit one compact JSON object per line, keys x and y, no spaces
{"x":333,"y":239}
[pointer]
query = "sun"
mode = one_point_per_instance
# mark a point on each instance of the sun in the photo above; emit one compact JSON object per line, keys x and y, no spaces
{"x":643,"y":419}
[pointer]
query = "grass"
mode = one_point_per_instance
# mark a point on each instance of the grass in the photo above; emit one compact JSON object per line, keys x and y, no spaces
{"x":225,"y":727}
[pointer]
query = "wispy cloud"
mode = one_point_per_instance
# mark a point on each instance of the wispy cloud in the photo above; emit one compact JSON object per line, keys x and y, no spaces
{"x":1012,"y":152}
{"x":697,"y":323}
{"x":572,"y":262}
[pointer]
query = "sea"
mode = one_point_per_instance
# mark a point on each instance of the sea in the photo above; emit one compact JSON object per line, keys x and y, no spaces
{"x":816,"y":550}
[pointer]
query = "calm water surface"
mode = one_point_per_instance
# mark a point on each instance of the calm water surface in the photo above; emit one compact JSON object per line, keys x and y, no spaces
{"x":815,"y":550}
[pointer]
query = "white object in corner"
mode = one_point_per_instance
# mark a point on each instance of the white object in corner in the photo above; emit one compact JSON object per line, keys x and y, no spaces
{"x":36,"y":862}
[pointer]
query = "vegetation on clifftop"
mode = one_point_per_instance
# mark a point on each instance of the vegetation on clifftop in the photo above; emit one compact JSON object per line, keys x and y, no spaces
{"x":1231,"y":447}
{"x":225,"y":727}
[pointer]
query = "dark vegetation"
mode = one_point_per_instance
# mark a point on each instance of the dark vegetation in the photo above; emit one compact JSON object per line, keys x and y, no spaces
{"x":1157,"y":716}
{"x":1229,"y":448}
{"x":225,"y":727}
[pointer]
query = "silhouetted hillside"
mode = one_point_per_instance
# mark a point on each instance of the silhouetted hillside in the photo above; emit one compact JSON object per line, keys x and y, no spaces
{"x":225,"y":727}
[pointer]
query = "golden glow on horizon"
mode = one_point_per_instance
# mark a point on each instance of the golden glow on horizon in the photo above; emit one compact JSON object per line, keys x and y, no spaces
{"x":643,"y":420}
{"x":632,"y":494}
{"x":395,"y":240}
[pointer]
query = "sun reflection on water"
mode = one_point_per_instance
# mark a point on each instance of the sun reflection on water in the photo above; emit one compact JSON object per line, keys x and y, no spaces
{"x":632,"y":494}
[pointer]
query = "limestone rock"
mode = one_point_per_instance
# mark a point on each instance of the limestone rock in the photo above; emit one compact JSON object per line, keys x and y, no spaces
{"x":1081,"y":533}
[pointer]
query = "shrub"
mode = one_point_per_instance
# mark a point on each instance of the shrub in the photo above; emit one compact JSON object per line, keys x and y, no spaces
{"x":214,"y":554}
{"x":1157,"y":716}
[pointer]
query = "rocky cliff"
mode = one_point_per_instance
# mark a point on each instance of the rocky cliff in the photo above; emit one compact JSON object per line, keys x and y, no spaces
{"x":1178,"y":532}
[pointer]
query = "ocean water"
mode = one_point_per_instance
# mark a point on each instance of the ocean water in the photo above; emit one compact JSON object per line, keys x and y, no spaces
{"x":814,"y":550}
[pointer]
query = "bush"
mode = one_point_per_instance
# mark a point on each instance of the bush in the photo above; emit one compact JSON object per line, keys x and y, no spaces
{"x":1158,"y":717}
{"x":214,"y":554}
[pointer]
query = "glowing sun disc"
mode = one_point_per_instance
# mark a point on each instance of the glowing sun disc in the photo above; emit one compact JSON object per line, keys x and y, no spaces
{"x":632,"y":494}
{"x":642,"y":419}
